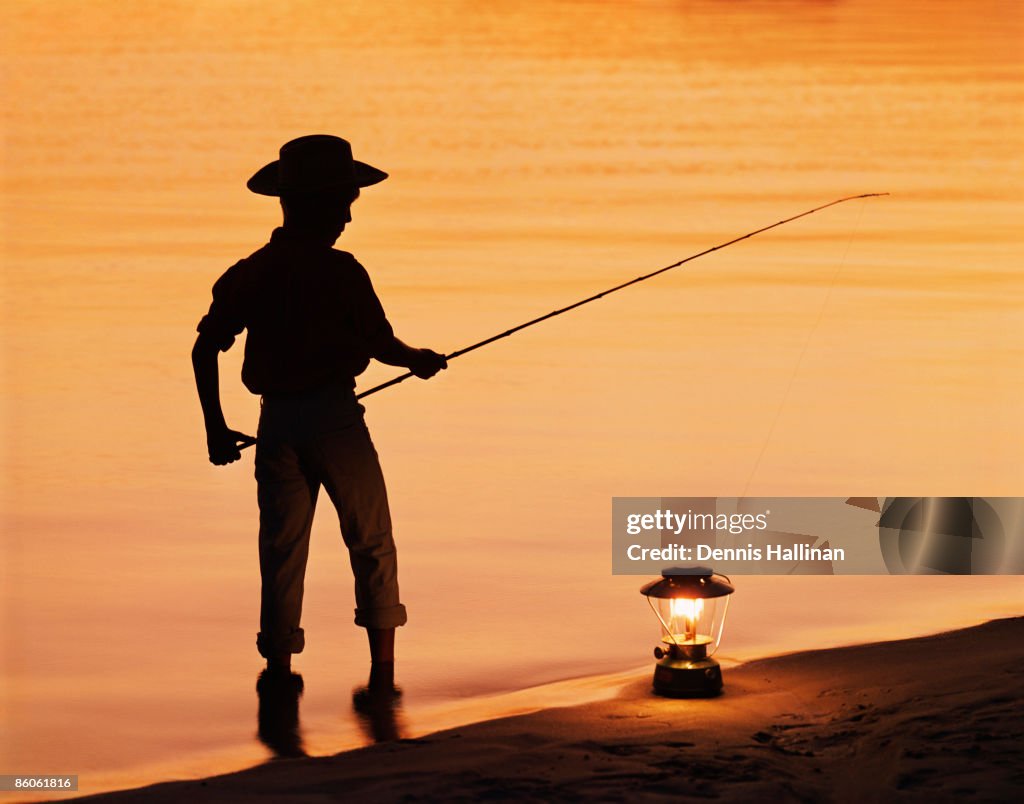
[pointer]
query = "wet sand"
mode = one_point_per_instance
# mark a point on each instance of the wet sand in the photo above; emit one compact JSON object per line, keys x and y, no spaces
{"x":936,"y":718}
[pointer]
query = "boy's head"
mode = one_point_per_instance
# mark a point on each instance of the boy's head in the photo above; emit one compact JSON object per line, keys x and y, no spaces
{"x":317,"y":180}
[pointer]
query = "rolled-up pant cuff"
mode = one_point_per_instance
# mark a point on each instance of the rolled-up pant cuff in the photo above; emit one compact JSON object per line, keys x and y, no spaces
{"x":274,"y":645}
{"x":390,"y":617}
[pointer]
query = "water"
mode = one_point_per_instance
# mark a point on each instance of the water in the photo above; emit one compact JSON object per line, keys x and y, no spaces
{"x":538,"y":154}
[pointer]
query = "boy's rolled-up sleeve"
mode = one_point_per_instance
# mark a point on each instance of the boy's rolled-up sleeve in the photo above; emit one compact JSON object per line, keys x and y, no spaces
{"x":226,"y":318}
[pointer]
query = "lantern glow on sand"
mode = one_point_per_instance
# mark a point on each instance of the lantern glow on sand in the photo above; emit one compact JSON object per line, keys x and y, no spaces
{"x":691,"y":604}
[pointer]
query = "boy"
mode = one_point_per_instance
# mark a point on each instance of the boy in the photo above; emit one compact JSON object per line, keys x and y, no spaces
{"x":314,"y":322}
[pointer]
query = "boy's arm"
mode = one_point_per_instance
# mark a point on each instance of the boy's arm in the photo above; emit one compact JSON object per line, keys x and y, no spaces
{"x":424,"y":363}
{"x":221,"y":442}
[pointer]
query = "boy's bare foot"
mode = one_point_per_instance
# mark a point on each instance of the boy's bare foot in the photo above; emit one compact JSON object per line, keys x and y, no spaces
{"x":380,"y":691}
{"x":382,"y":676}
{"x":280,"y":664}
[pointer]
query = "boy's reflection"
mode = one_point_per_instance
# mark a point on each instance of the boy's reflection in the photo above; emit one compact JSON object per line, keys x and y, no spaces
{"x":278,"y":713}
{"x":379,"y":717}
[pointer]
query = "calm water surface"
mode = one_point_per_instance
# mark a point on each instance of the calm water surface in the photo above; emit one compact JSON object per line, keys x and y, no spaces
{"x":538,"y":153}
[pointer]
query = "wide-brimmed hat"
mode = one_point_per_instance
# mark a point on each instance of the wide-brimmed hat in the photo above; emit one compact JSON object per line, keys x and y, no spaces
{"x":312,"y":164}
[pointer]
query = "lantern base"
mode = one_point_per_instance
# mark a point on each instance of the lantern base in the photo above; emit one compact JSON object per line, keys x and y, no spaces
{"x":686,"y":678}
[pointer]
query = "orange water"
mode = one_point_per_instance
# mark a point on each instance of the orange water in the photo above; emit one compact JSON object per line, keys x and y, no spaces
{"x":538,"y":153}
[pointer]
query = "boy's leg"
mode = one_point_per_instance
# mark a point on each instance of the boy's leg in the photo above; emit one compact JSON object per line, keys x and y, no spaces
{"x":352,"y":477}
{"x":287,"y":498}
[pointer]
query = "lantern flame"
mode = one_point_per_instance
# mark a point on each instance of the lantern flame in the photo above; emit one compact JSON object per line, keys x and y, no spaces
{"x":686,"y":612}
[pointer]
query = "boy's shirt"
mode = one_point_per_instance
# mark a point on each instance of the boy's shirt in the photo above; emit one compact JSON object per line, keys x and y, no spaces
{"x":311,"y":312}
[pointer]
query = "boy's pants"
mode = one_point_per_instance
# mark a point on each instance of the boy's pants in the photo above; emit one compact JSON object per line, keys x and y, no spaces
{"x":305,"y":441}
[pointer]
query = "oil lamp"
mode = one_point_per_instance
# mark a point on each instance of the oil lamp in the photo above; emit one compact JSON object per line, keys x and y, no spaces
{"x":691,"y":604}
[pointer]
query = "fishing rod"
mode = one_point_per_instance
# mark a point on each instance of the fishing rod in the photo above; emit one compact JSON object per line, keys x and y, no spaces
{"x":248,"y":441}
{"x":603,"y":293}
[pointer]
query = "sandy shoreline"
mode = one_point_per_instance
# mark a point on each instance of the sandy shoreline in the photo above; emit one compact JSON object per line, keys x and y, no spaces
{"x":935,"y":718}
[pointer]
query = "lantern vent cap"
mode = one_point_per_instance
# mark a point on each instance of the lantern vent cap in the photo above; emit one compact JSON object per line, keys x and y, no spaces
{"x":689,"y":582}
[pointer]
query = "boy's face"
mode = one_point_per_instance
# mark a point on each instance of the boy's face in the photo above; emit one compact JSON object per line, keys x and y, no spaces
{"x":339,"y":209}
{"x":327,"y":212}
{"x":335,"y":212}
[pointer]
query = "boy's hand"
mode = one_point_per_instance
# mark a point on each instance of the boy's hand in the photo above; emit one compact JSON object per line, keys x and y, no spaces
{"x":427,"y":363}
{"x":223,"y":445}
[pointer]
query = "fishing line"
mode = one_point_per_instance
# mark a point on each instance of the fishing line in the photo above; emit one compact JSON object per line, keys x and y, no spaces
{"x":603,"y":293}
{"x":803,"y":352}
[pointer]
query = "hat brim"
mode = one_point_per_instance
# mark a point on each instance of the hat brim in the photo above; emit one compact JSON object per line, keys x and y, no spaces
{"x":264,"y":180}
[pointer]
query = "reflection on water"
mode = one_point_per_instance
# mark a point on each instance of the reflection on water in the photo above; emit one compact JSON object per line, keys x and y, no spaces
{"x":380,"y":717}
{"x":278,"y":714}
{"x":537,"y":153}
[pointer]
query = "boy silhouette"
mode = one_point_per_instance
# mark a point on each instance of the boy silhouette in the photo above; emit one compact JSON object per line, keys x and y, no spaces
{"x":314,"y":322}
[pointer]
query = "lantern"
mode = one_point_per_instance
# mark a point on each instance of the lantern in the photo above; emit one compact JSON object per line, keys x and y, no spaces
{"x":691,"y":603}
